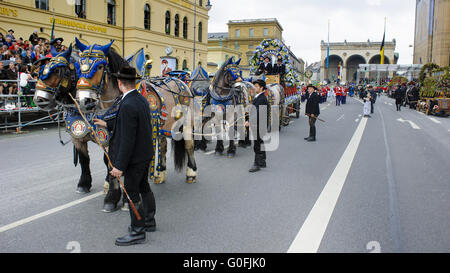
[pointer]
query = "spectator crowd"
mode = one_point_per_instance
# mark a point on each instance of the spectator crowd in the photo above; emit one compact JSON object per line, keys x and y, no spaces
{"x":17,"y":57}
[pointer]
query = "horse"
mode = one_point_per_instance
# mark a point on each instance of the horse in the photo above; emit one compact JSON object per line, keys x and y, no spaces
{"x":223,"y":93}
{"x":172,"y":105}
{"x":98,"y":94}
{"x":98,"y":90}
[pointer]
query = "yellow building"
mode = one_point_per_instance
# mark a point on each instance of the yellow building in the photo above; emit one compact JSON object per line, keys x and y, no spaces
{"x":219,"y":52}
{"x":432,"y":35}
{"x":242,"y":38}
{"x":153,"y":25}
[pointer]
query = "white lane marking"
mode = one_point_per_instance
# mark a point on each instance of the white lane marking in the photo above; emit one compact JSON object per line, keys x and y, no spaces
{"x":435,"y":120}
{"x":390,"y":104}
{"x":311,"y":233}
{"x":356,"y":120}
{"x":341,"y":117}
{"x":413,"y":125}
{"x":49,"y":212}
{"x":359,"y":115}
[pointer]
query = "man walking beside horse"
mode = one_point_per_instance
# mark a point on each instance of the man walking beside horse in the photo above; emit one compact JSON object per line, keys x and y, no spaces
{"x":131,"y":152}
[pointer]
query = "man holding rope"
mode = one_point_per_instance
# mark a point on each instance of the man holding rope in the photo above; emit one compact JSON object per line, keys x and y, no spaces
{"x":131,"y":152}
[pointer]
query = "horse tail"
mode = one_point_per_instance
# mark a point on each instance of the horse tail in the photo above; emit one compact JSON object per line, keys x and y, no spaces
{"x":75,"y":156}
{"x":180,"y":153}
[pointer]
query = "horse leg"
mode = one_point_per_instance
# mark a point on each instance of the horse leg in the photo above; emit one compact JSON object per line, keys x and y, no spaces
{"x":160,"y":176}
{"x":113,"y":192}
{"x":191,"y":171}
{"x":219,"y":147}
{"x":85,"y":182}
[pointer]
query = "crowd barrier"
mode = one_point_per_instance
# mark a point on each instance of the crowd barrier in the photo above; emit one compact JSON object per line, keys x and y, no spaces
{"x":18,"y":111}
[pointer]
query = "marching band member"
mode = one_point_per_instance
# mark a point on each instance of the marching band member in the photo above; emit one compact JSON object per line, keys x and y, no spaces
{"x":312,"y":111}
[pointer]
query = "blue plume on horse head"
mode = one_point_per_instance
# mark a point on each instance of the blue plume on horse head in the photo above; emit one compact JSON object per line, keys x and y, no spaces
{"x":53,"y":51}
{"x":82,"y":47}
{"x":230,"y":61}
{"x":66,"y":54}
{"x":106,"y":48}
{"x":238,"y":61}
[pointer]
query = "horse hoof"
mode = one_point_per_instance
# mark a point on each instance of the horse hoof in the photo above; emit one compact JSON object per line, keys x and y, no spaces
{"x":82,"y":190}
{"x":231,"y":155}
{"x":158,"y":182}
{"x":219,"y":153}
{"x":125,"y":207}
{"x":110,"y":207}
{"x":191,"y":180}
{"x":105,"y":188}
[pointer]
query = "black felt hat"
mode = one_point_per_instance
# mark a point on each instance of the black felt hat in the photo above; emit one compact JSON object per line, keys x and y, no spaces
{"x":127,"y":73}
{"x":315,"y":88}
{"x":56,"y":40}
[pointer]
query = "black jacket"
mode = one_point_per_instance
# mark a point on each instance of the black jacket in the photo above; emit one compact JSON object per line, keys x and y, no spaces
{"x":266,"y":70}
{"x":258,"y":102}
{"x":279,"y":70}
{"x":312,"y":106}
{"x":131,"y":141}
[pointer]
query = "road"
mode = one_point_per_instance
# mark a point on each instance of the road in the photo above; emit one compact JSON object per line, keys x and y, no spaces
{"x":367,"y":185}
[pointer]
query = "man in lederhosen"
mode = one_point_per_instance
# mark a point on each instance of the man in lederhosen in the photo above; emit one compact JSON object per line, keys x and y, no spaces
{"x":312,"y":111}
{"x":131,"y":152}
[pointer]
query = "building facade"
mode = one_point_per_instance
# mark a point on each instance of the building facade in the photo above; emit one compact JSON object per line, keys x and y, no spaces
{"x":432,"y":32}
{"x":243,"y":37}
{"x":219,"y":52}
{"x":153,"y":25}
{"x":349,"y":55}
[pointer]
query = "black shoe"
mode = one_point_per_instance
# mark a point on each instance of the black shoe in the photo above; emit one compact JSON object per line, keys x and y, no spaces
{"x":312,"y":139}
{"x":307,"y":138}
{"x":263,"y":166}
{"x":255,"y":169}
{"x":133,"y":238}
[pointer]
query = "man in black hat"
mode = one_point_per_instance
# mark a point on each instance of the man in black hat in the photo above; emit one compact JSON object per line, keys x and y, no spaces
{"x":265,"y":67}
{"x":131,"y":152}
{"x":57,"y":44}
{"x":260,"y":102}
{"x":280,"y":69}
{"x":312,"y":111}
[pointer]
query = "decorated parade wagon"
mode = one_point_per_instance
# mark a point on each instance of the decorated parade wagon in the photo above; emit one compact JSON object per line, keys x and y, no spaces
{"x":289,"y":79}
{"x":434,"y":92}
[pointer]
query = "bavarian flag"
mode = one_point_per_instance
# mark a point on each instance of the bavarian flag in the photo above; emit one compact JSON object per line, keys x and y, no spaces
{"x":382,"y":48}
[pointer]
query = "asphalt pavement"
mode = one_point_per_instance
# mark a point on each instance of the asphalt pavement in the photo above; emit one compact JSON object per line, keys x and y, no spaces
{"x":367,"y":185}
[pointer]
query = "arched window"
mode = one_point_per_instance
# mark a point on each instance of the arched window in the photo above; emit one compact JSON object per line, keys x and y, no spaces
{"x":200,"y":32}
{"x":185,"y":28}
{"x":185,"y":65}
{"x":177,"y":25}
{"x":111,"y":12}
{"x":147,"y":16}
{"x":200,"y":2}
{"x":167,"y":24}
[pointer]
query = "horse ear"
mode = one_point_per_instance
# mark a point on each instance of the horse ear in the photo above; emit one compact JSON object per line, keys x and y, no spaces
{"x":53,"y":51}
{"x":82,"y":47}
{"x":67,"y":54}
{"x":107,"y":47}
{"x":238,"y":61}
{"x":230,"y":61}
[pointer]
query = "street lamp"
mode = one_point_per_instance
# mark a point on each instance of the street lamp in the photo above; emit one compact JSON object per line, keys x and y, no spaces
{"x":208,"y":6}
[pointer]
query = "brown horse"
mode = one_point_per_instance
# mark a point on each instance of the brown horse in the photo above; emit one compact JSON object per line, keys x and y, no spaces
{"x":172,"y":104}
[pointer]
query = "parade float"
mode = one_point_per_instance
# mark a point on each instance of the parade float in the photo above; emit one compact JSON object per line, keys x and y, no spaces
{"x":434,"y":91}
{"x":275,"y":50}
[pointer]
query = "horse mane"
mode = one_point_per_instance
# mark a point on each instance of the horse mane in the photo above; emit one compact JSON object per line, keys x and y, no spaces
{"x":115,"y":62}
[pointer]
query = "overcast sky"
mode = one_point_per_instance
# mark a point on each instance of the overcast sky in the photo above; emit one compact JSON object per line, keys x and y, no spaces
{"x":305,"y":22}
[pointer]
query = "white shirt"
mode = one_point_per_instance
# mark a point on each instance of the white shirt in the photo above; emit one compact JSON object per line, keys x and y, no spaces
{"x":258,"y":95}
{"x":128,"y":93}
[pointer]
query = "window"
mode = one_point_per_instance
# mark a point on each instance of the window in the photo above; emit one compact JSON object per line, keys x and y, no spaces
{"x":252,"y":32}
{"x":177,"y":25}
{"x":147,"y":16}
{"x":185,"y":28}
{"x":167,"y":24}
{"x":266,"y":32}
{"x":80,"y":8}
{"x":200,"y":32}
{"x":200,"y":2}
{"x":236,"y":46}
{"x":250,"y":46}
{"x":42,"y":4}
{"x":185,"y":65}
{"x":112,"y":12}
{"x":238,"y":33}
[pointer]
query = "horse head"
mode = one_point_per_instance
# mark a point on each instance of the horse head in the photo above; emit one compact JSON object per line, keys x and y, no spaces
{"x":57,"y":78}
{"x":92,"y":69}
{"x":222,"y":87}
